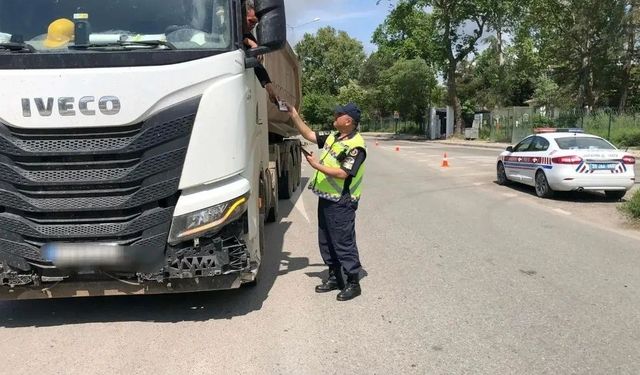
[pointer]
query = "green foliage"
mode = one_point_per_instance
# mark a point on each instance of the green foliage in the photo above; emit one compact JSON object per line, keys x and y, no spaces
{"x":632,"y":206}
{"x":629,"y":138}
{"x":410,"y":84}
{"x":437,"y":32}
{"x":580,"y":40}
{"x":540,"y":121}
{"x":547,"y":93}
{"x":559,"y":57}
{"x":330,"y":59}
{"x":317,"y":109}
{"x":352,"y":92}
{"x":624,"y":130}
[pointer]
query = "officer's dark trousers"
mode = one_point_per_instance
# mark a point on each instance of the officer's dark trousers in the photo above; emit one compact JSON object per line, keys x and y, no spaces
{"x":337,"y":234}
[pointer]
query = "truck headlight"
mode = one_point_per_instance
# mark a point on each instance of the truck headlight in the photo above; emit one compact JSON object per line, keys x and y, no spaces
{"x":210,"y":219}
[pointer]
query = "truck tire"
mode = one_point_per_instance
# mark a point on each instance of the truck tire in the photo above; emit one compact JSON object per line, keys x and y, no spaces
{"x":286,"y":181}
{"x":261,"y":237}
{"x":273,"y":212}
{"x":298,"y":169}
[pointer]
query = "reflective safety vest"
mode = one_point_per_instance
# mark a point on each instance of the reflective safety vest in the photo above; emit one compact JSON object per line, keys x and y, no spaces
{"x":333,"y":154}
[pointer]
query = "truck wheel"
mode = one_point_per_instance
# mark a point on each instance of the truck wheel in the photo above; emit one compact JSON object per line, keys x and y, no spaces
{"x":261,"y":237}
{"x":286,"y":182}
{"x":298,"y":169}
{"x":274,"y":211}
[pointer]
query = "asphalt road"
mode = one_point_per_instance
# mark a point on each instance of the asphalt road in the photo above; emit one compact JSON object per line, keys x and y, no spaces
{"x":462,"y":277}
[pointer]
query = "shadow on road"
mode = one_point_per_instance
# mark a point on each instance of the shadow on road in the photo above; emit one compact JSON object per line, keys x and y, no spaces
{"x":164,"y":308}
{"x":567,"y":196}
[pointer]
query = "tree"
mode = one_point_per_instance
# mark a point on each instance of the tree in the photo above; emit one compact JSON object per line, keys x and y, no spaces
{"x":631,"y":24}
{"x":411,"y":84}
{"x":317,"y":108}
{"x":547,"y":94}
{"x":448,"y":34}
{"x":330,"y":59}
{"x":503,"y":16}
{"x":581,"y":40}
{"x":376,"y":100}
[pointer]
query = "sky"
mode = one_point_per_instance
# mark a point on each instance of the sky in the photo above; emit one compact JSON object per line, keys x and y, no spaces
{"x":359,"y":18}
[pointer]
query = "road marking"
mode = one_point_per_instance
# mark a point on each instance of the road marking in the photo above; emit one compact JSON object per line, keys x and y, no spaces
{"x":299,"y":202}
{"x":510,"y":195}
{"x":491,"y":159}
{"x":479,"y":183}
{"x":475,"y":174}
{"x":562,"y":212}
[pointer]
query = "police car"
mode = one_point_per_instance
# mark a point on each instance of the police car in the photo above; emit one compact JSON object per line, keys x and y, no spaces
{"x":567,"y":160}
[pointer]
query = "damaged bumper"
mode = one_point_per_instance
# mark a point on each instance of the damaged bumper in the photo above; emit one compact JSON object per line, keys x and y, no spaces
{"x":204,"y":264}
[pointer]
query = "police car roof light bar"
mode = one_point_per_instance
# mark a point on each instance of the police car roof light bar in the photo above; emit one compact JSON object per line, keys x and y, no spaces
{"x":558,"y":130}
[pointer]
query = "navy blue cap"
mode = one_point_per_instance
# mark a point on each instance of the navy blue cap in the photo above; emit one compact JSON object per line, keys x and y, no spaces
{"x":350,"y":109}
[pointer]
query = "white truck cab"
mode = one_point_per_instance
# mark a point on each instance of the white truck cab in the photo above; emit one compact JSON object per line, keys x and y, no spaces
{"x":138,"y":152}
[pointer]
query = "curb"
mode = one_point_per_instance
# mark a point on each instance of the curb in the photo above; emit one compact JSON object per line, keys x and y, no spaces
{"x":479,"y":145}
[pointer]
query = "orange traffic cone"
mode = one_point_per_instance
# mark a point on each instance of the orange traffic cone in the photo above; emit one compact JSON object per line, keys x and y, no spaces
{"x":445,"y":161}
{"x":377,"y":143}
{"x":397,"y":148}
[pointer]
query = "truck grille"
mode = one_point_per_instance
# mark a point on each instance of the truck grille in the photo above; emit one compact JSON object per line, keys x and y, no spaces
{"x":110,"y":184}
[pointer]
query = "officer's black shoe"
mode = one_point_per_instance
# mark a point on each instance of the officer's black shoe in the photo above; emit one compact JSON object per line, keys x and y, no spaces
{"x":351,"y":291}
{"x":334,"y":282}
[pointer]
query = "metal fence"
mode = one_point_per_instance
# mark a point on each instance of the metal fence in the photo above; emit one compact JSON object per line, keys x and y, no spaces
{"x":512,"y":124}
{"x":391,"y":125}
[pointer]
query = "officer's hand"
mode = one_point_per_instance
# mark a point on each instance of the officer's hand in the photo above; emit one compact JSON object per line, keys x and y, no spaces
{"x":292,"y":111}
{"x":311,"y":160}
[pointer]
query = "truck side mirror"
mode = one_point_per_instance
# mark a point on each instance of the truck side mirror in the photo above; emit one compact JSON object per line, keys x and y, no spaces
{"x":272,"y":29}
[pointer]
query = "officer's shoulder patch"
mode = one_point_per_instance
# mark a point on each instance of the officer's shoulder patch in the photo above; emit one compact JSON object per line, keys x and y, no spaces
{"x":354,"y":152}
{"x":348,"y":163}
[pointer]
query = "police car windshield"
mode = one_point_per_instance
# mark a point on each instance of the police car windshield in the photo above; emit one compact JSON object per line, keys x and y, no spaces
{"x":52,"y":26}
{"x":583,"y":143}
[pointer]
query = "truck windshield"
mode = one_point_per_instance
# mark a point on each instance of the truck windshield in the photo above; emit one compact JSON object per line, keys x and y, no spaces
{"x":61,"y":26}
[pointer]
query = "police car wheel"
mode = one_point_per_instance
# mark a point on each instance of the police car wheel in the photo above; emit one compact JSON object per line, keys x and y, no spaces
{"x":502,"y":175}
{"x":543,"y":190}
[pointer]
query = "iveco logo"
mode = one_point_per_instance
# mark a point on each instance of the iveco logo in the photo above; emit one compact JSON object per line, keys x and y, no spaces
{"x":67,"y":106}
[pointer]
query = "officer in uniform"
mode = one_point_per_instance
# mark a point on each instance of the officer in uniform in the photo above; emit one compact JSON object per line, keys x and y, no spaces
{"x":338,"y":183}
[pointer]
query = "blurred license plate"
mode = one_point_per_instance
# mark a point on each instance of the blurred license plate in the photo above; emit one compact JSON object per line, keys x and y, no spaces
{"x":603,"y":166}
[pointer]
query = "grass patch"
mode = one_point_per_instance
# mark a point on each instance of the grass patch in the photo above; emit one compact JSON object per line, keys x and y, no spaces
{"x":632,"y":206}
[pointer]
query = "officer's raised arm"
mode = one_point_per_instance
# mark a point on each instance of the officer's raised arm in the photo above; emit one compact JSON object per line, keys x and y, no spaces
{"x":304,"y":130}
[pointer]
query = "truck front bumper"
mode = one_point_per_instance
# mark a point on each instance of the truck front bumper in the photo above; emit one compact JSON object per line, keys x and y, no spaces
{"x":221,"y":261}
{"x":68,"y":289}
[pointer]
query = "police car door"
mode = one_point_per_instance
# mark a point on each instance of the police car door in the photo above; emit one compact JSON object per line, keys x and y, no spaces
{"x":533,"y":158}
{"x":514,"y":166}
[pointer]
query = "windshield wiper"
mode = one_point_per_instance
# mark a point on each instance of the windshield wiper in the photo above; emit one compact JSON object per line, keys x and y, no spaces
{"x":126,"y":45}
{"x":17,"y":47}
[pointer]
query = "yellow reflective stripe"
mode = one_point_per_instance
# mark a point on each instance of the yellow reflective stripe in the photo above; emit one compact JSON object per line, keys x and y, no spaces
{"x":355,"y":185}
{"x":334,"y":184}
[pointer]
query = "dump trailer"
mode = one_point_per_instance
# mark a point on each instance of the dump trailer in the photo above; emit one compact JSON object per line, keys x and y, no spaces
{"x":138,"y":152}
